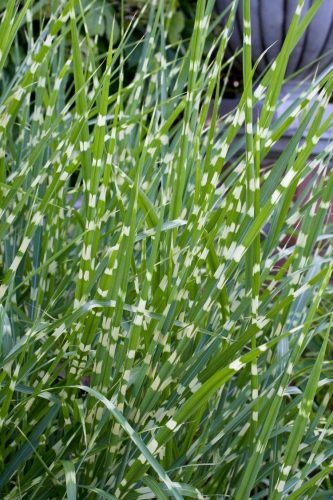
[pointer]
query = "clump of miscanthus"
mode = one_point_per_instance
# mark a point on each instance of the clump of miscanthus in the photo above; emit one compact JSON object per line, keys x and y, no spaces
{"x":152,"y":345}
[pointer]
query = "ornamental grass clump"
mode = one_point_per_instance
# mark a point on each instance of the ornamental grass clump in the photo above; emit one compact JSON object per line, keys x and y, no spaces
{"x":166,"y":306}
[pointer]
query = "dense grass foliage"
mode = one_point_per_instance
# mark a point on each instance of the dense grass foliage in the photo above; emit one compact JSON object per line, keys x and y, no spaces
{"x":166,"y":300}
